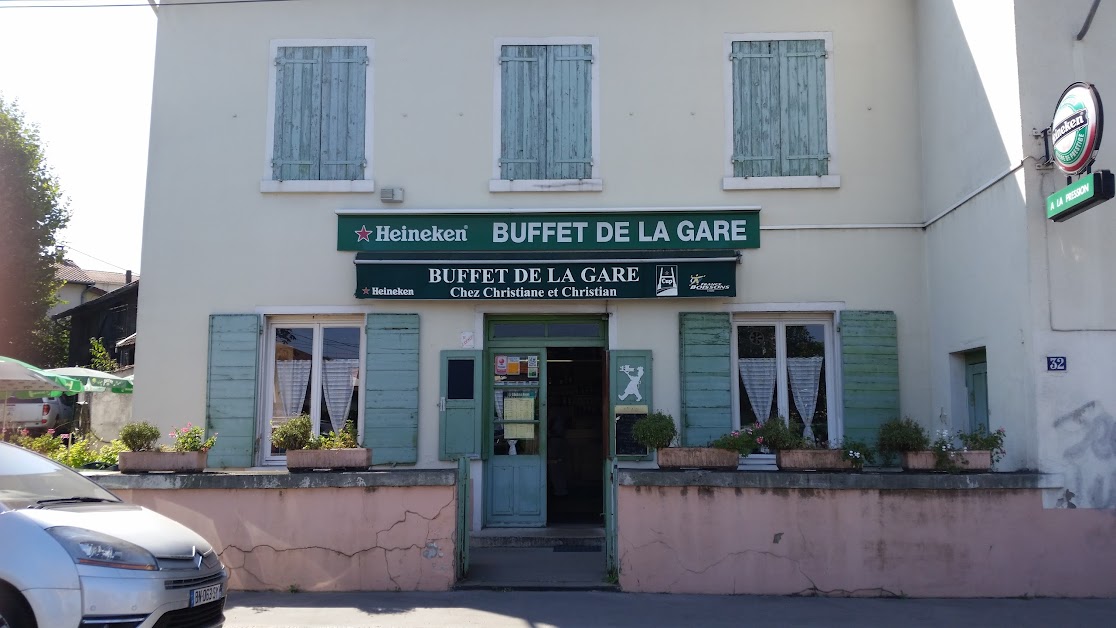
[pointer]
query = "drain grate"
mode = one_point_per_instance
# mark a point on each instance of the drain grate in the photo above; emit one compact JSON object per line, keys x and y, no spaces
{"x":575,"y":548}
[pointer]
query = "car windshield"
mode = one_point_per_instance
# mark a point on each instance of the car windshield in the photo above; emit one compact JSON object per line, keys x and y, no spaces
{"x":28,"y":479}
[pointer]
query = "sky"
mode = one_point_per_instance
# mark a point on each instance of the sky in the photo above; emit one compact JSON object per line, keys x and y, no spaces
{"x":83,"y":76}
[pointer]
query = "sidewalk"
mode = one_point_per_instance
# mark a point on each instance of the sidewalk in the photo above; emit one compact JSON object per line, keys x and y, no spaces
{"x":530,"y":609}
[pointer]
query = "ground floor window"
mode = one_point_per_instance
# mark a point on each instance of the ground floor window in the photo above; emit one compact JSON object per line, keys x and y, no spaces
{"x":784,"y":370}
{"x":314,"y":369}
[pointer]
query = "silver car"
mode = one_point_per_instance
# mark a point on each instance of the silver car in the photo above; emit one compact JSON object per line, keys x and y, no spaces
{"x":37,"y":415}
{"x":74,"y":555}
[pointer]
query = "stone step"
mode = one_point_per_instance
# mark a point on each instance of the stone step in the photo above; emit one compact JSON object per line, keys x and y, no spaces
{"x":566,"y":538}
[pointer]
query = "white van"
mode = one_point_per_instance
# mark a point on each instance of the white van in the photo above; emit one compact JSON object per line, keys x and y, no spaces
{"x":37,"y":415}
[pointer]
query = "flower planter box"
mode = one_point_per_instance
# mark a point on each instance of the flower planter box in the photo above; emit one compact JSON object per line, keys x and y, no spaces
{"x":980,"y":460}
{"x":329,"y":459}
{"x":697,"y":458}
{"x":812,"y":460}
{"x":145,"y":461}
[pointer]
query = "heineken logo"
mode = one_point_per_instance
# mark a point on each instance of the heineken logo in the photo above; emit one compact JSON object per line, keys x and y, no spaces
{"x":1076,"y":129}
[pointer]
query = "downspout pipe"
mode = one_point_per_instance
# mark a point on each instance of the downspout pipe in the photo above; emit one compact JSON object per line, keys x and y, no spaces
{"x":1088,"y":20}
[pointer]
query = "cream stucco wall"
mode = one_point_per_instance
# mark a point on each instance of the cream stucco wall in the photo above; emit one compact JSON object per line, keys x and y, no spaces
{"x":215,"y":244}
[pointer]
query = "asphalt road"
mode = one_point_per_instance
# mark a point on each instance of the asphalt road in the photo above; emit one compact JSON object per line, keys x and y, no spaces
{"x":529,"y":609}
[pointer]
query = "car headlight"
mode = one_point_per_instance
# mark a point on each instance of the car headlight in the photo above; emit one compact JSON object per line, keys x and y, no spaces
{"x":87,"y":547}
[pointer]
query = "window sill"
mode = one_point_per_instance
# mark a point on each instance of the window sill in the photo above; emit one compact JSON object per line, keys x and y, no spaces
{"x":546,"y":185}
{"x":777,"y":183}
{"x":304,"y":186}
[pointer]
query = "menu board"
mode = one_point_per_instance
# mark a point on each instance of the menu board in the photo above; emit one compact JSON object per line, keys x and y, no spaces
{"x":626,"y":417}
{"x":516,"y":370}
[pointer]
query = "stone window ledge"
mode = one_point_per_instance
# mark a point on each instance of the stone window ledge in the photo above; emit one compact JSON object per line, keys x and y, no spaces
{"x":280,"y":478}
{"x":840,"y":481}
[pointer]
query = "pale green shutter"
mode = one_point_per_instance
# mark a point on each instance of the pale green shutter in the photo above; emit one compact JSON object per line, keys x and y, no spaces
{"x":629,"y":380}
{"x":869,"y":371}
{"x":706,"y":366}
{"x":230,"y":412}
{"x":460,"y":405}
{"x":343,"y":107}
{"x":755,"y":109}
{"x":298,"y":100}
{"x":522,"y":112}
{"x":569,"y":120}
{"x":803,"y":114}
{"x":391,"y":388}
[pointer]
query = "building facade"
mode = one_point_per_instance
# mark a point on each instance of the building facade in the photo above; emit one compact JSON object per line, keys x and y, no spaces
{"x":504,"y":232}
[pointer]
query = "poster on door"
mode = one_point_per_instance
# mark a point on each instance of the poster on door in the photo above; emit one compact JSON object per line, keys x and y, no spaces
{"x":511,"y":370}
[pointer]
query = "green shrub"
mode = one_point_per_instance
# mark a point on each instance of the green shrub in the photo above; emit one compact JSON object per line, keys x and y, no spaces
{"x":899,"y":435}
{"x":109,"y":455}
{"x":79,"y":454}
{"x":293,"y":434}
{"x":655,"y":431}
{"x":345,"y":440}
{"x":140,"y":436}
{"x":776,"y":435}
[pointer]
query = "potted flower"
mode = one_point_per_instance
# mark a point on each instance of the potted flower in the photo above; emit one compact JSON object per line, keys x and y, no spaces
{"x":188,"y":452}
{"x":793,"y":452}
{"x":979,"y":450}
{"x":306,"y":452}
{"x":657,"y":431}
{"x":909,"y":440}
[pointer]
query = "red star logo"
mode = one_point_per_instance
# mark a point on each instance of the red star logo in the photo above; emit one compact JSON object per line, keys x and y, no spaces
{"x":363,"y":234}
{"x":366,"y":290}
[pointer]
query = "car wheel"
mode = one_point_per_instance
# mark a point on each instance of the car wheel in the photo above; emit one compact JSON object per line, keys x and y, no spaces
{"x":14,"y":612}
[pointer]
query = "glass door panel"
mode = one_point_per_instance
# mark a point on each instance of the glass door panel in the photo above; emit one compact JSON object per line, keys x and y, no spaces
{"x":758,"y":373}
{"x":340,"y":379}
{"x":806,"y":380}
{"x":516,"y":488}
{"x":292,"y":373}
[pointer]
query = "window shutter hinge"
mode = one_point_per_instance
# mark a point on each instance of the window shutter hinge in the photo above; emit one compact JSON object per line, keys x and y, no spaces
{"x":824,"y":55}
{"x":278,"y":61}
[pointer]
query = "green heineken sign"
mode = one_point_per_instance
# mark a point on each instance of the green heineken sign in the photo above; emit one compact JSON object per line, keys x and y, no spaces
{"x":564,"y":277}
{"x":1088,"y":191}
{"x":512,"y":230}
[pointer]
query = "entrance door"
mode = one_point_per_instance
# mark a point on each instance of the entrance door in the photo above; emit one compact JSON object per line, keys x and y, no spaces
{"x":516,"y":479}
{"x":976,"y":381}
{"x":576,"y":434}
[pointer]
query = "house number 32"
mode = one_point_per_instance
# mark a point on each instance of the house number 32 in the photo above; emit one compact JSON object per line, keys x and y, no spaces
{"x":1055,"y":363}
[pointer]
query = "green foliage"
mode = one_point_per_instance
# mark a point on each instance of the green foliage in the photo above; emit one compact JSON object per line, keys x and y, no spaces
{"x":858,"y":453}
{"x":46,"y":443}
{"x":981,"y":439}
{"x":79,"y":454}
{"x":945,"y":448}
{"x":899,"y":435}
{"x":655,"y":431}
{"x":293,"y":434}
{"x":345,"y":440}
{"x":190,"y":438}
{"x":743,"y":441}
{"x":101,"y":359}
{"x":109,"y":455}
{"x":52,"y":342}
{"x":139,"y":436}
{"x":777,"y":435}
{"x":32,"y":212}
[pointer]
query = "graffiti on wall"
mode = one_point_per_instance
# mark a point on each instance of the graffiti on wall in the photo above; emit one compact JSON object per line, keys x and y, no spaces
{"x":1087,"y":440}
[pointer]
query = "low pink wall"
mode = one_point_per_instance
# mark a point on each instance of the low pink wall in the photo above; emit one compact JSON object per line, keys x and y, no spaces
{"x":921,"y":543}
{"x":321,"y":539}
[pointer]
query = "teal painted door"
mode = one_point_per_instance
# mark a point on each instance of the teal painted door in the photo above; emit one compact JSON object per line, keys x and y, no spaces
{"x":515,"y":487}
{"x":976,"y":381}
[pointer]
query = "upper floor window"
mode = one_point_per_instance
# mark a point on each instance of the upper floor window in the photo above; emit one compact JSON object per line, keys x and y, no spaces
{"x":779,"y":100}
{"x":547,"y":116}
{"x":320,"y":117}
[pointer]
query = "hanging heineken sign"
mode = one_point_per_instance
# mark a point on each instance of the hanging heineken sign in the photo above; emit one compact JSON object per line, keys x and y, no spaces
{"x":1075,"y":133}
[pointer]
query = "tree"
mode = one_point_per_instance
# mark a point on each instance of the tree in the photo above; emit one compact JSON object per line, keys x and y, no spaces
{"x":32,"y":211}
{"x":100,"y":358}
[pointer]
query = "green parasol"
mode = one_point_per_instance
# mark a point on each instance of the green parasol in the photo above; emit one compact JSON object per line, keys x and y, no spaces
{"x":93,"y":380}
{"x":19,"y":379}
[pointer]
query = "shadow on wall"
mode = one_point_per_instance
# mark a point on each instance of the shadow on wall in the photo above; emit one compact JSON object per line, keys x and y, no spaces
{"x":1086,"y":440}
{"x":108,"y":412}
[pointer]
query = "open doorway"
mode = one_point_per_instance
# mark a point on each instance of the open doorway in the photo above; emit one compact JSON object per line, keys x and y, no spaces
{"x":575,"y":434}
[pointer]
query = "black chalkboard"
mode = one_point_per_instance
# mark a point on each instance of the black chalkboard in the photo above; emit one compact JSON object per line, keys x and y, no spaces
{"x":626,"y":444}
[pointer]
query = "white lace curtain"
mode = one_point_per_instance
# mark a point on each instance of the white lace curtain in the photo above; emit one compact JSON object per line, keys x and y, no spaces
{"x":337,"y":388}
{"x":758,"y":377}
{"x":805,"y":378}
{"x":293,"y":377}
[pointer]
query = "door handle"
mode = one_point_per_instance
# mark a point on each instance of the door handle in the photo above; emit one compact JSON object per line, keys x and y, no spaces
{"x":441,"y":404}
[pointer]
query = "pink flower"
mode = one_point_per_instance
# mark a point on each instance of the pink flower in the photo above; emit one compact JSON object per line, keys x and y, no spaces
{"x":759,"y":440}
{"x":171,"y":434}
{"x":65,"y":437}
{"x":188,"y":426}
{"x":51,"y":431}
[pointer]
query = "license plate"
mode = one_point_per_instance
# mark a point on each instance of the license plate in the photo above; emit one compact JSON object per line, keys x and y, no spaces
{"x":205,"y":595}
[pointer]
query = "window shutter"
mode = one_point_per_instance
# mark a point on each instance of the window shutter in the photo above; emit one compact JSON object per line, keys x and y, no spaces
{"x":626,"y":380}
{"x":523,"y":112}
{"x":460,"y":405}
{"x":569,"y":121}
{"x":755,"y":109}
{"x":343,"y":106}
{"x":391,"y":388}
{"x":298,"y":101}
{"x":869,"y":371}
{"x":706,"y":366}
{"x":803,"y":114}
{"x":234,"y":348}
